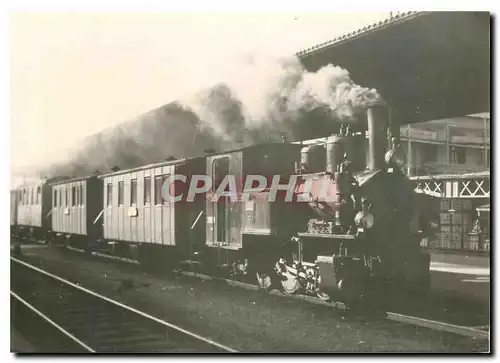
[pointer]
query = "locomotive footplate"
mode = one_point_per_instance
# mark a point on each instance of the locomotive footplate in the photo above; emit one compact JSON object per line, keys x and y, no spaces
{"x":311,"y":245}
{"x":334,"y":265}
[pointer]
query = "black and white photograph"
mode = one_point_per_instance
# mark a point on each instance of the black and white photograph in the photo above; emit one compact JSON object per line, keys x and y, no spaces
{"x":275,"y":182}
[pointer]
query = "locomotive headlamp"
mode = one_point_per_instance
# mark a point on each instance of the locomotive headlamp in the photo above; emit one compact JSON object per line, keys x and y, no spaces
{"x":368,"y":220}
{"x":396,"y":156}
{"x":364,"y":219}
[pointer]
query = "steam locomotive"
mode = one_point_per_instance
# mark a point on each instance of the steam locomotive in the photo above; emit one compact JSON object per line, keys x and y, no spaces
{"x":352,"y":246}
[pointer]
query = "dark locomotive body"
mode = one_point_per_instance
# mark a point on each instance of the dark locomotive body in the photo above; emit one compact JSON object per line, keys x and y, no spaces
{"x":344,"y":235}
{"x":363,"y":238}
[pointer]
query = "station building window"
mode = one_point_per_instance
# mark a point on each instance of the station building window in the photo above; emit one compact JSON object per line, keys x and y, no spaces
{"x":457,"y":155}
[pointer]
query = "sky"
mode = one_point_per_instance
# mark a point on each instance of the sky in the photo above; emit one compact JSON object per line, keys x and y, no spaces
{"x":75,"y":74}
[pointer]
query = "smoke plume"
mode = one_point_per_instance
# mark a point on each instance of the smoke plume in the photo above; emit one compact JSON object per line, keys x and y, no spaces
{"x":262,"y":100}
{"x":276,"y":94}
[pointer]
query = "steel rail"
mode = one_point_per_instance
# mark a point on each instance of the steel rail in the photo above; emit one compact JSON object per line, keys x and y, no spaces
{"x":397,"y":317}
{"x":126,"y":307}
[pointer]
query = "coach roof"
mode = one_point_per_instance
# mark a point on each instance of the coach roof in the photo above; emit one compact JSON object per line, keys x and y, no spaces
{"x":72,"y":180}
{"x":184,"y":160}
{"x":143,"y":167}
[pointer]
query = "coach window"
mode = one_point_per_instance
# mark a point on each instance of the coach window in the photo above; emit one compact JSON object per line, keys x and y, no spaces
{"x":67,"y":201}
{"x":120,"y":193}
{"x":109,"y":194}
{"x":165,"y":177}
{"x":81,"y":195}
{"x":54,"y":203}
{"x":73,"y":196}
{"x":133,"y":192}
{"x":158,"y":185}
{"x":147,"y":190}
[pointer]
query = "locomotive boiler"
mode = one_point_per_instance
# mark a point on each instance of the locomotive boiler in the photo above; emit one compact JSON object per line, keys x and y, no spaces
{"x":358,"y":236}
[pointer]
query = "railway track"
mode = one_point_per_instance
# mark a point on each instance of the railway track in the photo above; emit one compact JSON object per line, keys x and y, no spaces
{"x":99,"y":324}
{"x":468,"y":331}
{"x":473,"y":332}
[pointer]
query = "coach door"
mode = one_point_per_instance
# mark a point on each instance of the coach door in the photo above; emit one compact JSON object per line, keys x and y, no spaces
{"x":220,"y":169}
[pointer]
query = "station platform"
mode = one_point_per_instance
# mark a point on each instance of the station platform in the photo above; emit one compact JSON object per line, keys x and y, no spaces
{"x":461,"y":275}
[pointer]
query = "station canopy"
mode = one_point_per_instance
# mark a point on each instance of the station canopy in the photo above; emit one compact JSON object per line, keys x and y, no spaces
{"x":426,"y":65}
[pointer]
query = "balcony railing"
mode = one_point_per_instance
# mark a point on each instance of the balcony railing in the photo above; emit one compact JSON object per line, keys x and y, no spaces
{"x":475,"y":185}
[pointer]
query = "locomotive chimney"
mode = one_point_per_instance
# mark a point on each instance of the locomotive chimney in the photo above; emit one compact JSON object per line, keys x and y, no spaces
{"x":376,"y":115}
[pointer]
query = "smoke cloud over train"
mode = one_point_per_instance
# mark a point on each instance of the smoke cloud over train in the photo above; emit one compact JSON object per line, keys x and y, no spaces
{"x":261,"y":100}
{"x":272,"y":93}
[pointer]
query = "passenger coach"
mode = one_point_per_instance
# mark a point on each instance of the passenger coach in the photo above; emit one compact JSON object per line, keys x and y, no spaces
{"x":33,"y":210}
{"x":13,"y":211}
{"x":136,"y":214}
{"x":76,"y":208}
